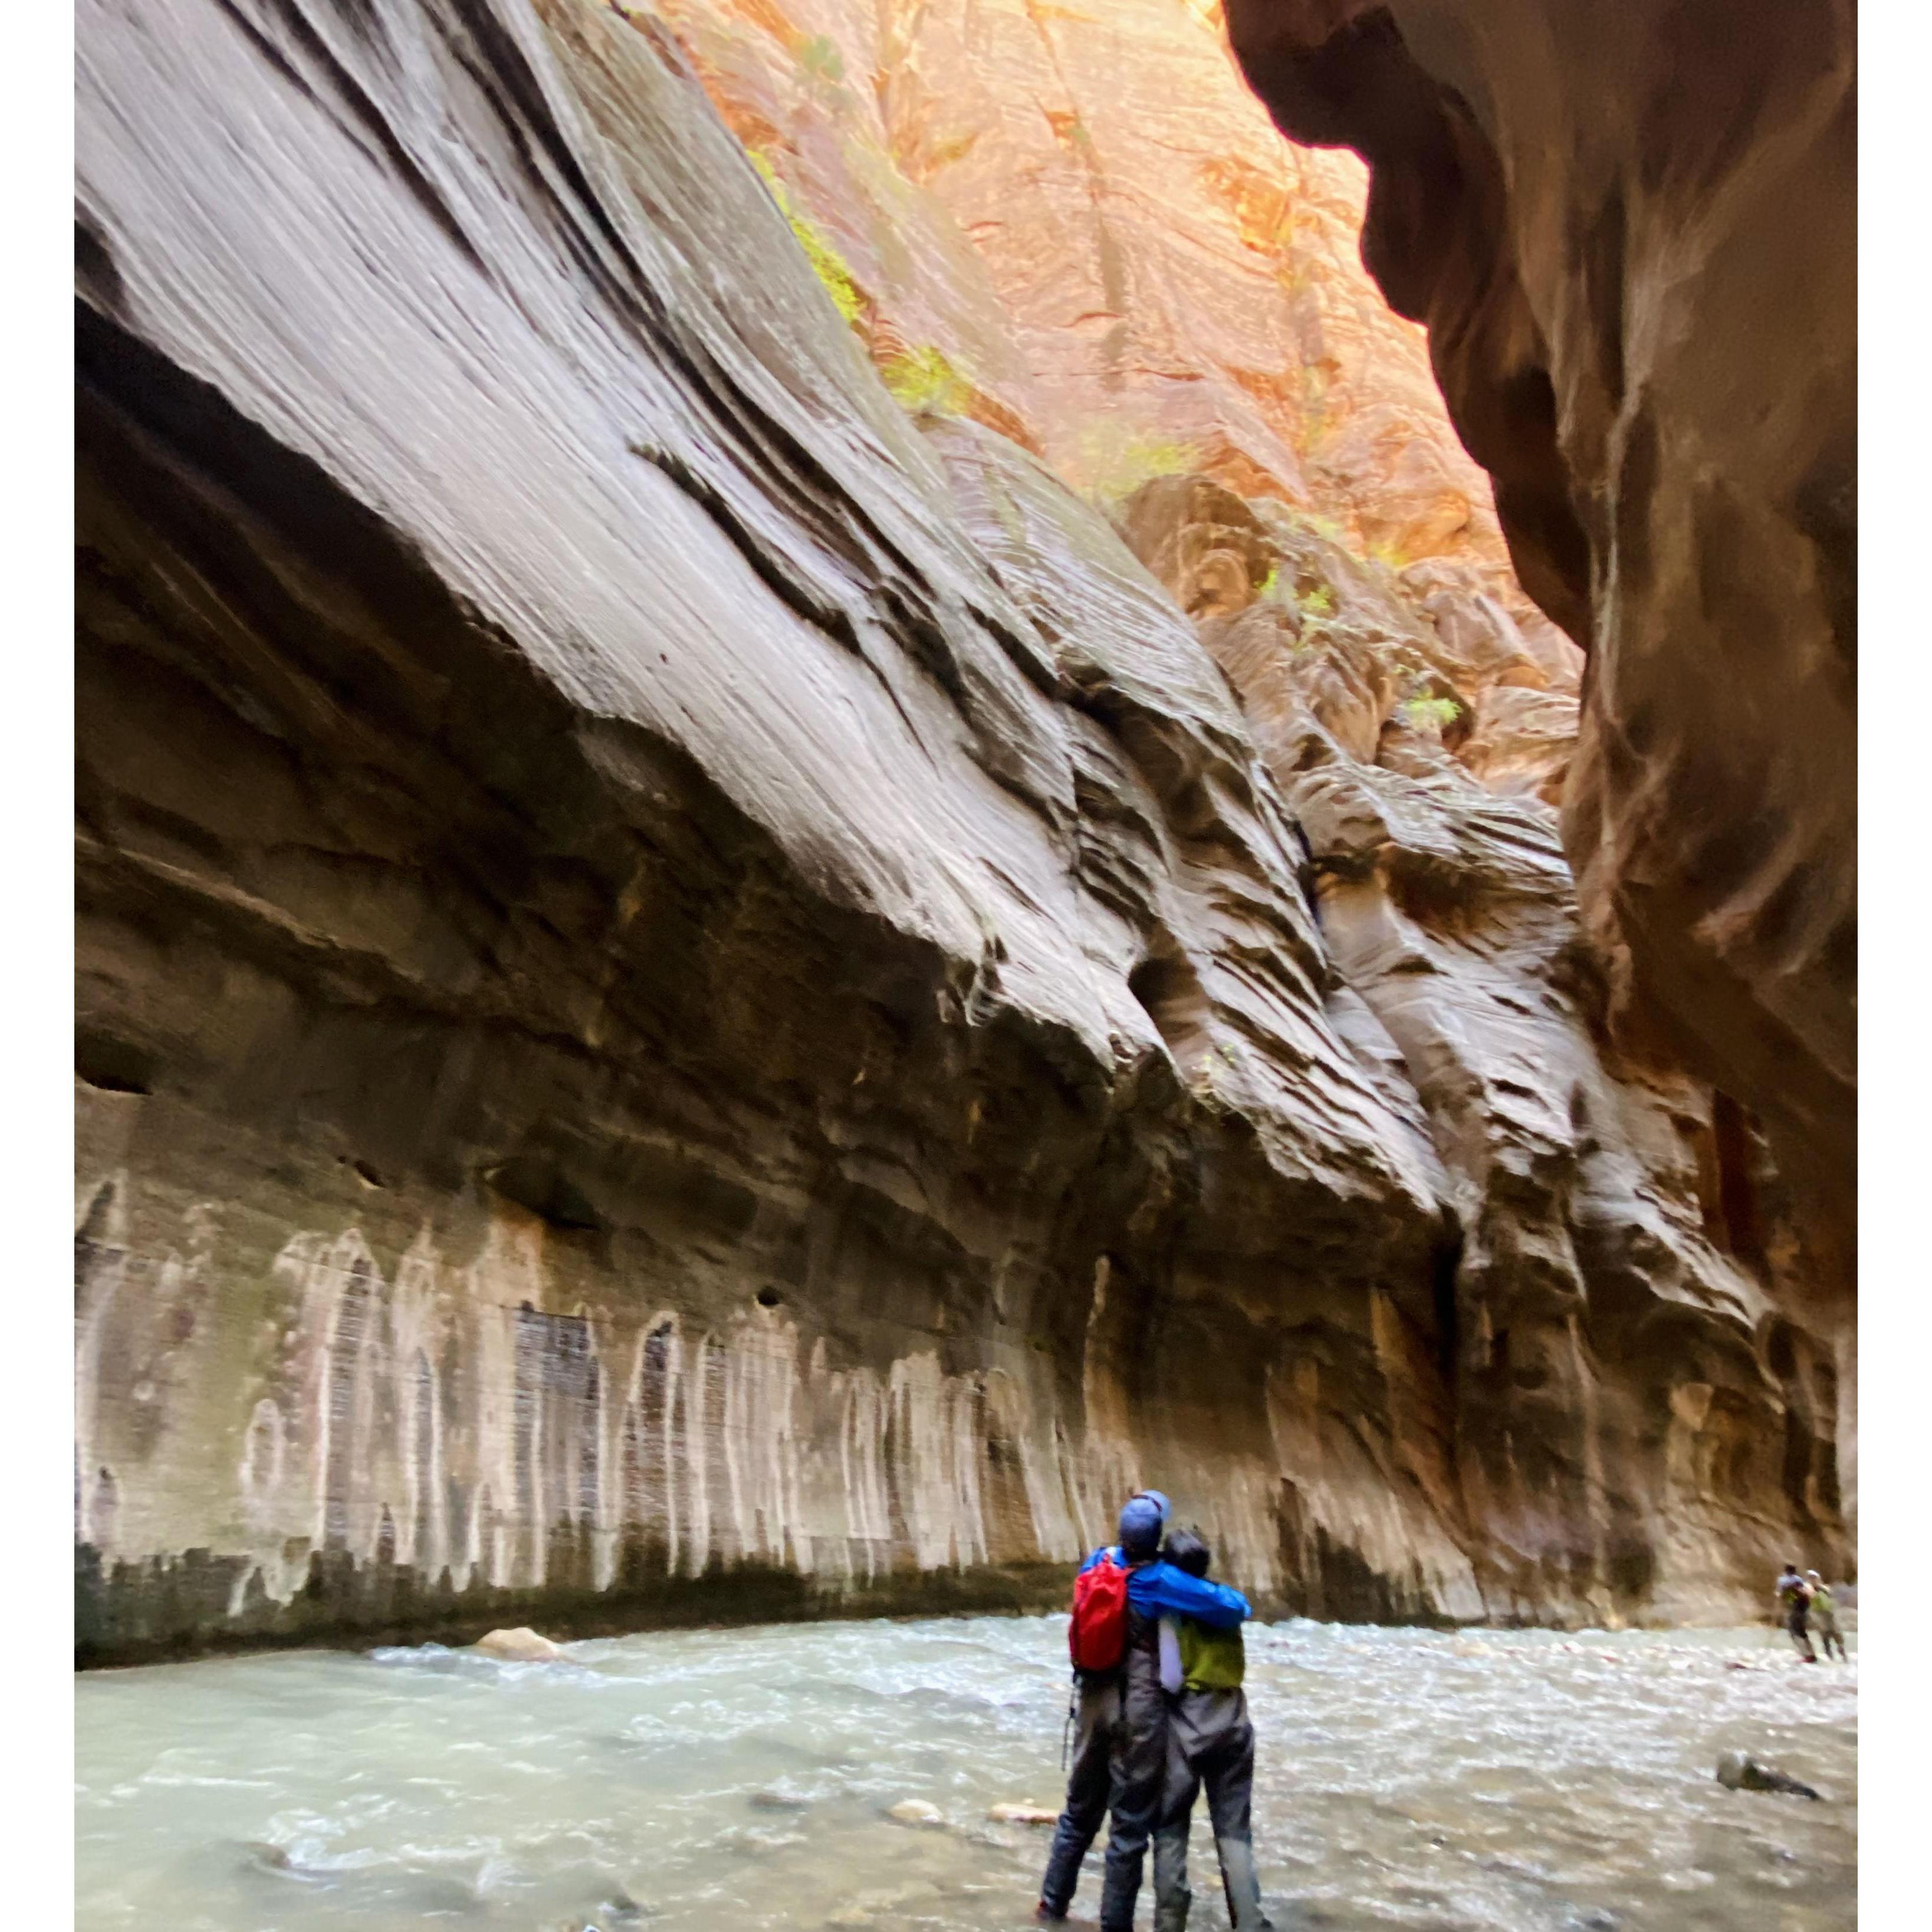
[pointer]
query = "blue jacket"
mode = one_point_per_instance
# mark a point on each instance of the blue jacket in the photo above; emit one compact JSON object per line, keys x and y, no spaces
{"x":1158,"y":1589}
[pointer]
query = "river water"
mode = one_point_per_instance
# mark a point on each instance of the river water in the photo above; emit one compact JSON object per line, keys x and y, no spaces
{"x":1482,"y":1782}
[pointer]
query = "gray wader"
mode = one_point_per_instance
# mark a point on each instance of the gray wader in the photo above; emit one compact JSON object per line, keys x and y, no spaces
{"x":1119,"y":1771}
{"x":1209,"y":1742}
{"x":1799,"y":1624}
{"x":1826,"y":1623}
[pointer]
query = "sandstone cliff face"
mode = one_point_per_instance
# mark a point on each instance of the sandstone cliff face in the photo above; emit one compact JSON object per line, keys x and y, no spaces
{"x":1631,"y":231}
{"x":1080,"y":221}
{"x":696,"y":1000}
{"x":1611,"y":1331}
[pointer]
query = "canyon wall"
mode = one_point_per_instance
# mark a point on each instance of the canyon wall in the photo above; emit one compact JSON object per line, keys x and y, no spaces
{"x":697,"y":996}
{"x":1080,"y":221}
{"x":1631,"y":231}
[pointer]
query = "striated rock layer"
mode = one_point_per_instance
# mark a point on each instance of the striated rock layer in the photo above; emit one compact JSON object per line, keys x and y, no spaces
{"x":1076,"y":223}
{"x":1614,"y":1333}
{"x":1631,"y":231}
{"x":695,"y":1000}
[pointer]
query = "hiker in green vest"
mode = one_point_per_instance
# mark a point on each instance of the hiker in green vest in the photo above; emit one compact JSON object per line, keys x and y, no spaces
{"x":1825,"y":1615}
{"x":1209,"y":1742}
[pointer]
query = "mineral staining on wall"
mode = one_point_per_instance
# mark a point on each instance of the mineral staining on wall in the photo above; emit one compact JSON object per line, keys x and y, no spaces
{"x":440,"y":1425}
{"x":695,"y":1000}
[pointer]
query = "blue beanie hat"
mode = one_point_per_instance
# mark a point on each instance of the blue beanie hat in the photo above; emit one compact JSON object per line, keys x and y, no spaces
{"x":1140,"y":1526}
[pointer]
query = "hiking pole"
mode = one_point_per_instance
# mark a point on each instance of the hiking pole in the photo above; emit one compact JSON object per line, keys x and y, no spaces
{"x":1066,"y":1728}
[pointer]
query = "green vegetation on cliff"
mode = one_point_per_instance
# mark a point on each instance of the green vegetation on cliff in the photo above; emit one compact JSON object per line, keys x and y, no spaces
{"x":826,"y":262}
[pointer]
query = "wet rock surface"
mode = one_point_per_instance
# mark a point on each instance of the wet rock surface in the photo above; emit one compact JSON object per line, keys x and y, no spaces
{"x":1630,"y":231}
{"x":697,"y":1002}
{"x":1738,"y":1770}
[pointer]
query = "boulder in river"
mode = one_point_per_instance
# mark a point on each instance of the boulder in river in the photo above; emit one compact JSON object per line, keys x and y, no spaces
{"x":1022,"y":1814}
{"x":1737,"y":1771}
{"x":520,"y":1645}
{"x":916,"y":1811}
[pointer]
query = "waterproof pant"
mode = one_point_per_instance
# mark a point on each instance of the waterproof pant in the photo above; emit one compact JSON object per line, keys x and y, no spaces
{"x":1827,"y":1635}
{"x":1119,"y":1769}
{"x":1087,"y":1784}
{"x":1209,"y":1742}
{"x":1798,"y":1624}
{"x":1135,"y":1790}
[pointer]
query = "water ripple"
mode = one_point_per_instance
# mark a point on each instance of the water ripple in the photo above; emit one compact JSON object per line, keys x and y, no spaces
{"x":1509,"y":1781}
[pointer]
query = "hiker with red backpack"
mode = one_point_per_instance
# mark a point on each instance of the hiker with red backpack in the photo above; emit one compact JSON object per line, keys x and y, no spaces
{"x":1120,"y":1746}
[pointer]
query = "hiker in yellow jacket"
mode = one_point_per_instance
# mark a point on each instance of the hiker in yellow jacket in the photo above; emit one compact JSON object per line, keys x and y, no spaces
{"x":1209,"y":1742}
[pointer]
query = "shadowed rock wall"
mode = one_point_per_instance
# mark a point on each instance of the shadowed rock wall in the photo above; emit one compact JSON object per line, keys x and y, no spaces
{"x":694,"y":1001}
{"x":1631,"y":230}
{"x":1614,"y":1323}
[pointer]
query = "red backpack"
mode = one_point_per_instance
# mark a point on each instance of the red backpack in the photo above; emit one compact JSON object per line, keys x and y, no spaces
{"x":1098,"y":1635}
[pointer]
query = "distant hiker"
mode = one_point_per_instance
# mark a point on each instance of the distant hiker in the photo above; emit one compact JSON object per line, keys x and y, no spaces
{"x":1121,"y":1714}
{"x":1824,"y":1615}
{"x":1794,"y":1599}
{"x":1209,"y":1742}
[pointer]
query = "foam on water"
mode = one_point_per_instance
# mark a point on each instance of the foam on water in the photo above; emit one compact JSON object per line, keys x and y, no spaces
{"x":1509,"y":1781}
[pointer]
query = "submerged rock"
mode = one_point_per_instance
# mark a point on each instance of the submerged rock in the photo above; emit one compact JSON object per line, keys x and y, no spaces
{"x":1022,"y":1814}
{"x":259,"y":1856}
{"x":868,"y":1906}
{"x":520,"y":1645}
{"x":916,"y":1811}
{"x":1737,"y":1771}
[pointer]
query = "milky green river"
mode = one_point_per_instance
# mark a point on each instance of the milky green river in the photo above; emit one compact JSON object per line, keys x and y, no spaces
{"x":1484,"y":1782}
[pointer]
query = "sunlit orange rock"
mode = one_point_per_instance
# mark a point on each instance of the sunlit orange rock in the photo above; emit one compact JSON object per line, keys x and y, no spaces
{"x":1083,"y":210}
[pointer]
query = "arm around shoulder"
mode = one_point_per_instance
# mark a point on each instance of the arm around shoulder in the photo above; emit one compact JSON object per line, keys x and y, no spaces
{"x":1175,"y":1593}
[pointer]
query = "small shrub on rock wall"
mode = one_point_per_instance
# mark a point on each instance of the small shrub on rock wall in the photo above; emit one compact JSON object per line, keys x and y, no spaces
{"x":826,"y":262}
{"x":1428,"y":713}
{"x":1118,"y":460}
{"x":923,"y":379}
{"x":820,"y":58}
